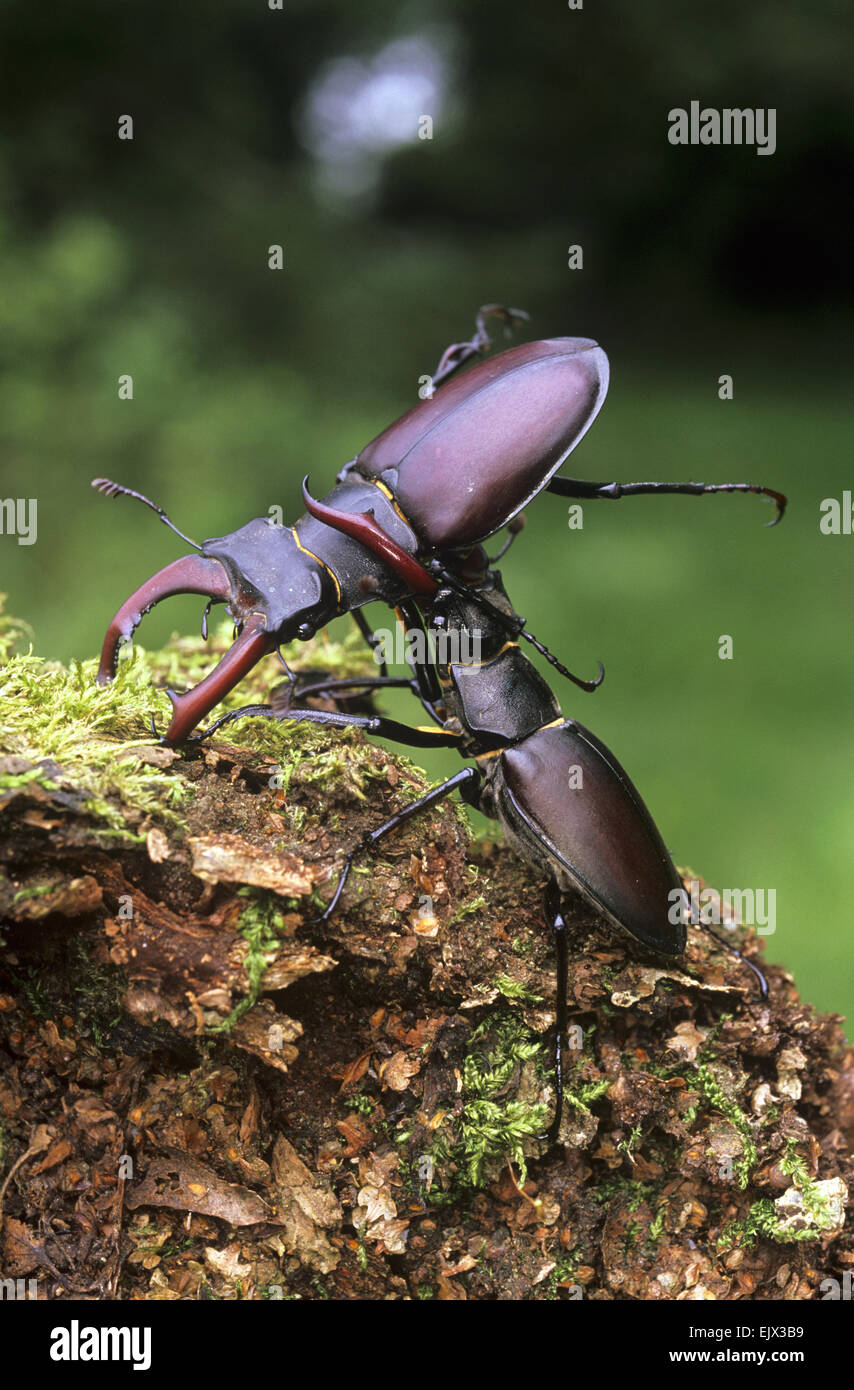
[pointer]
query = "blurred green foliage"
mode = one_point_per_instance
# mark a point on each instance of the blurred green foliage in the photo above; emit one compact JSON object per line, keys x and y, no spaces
{"x":149,"y":257}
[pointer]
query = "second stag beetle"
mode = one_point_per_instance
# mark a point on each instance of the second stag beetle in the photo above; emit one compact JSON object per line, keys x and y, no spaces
{"x":413,"y":505}
{"x":377,"y":536}
{"x":563,"y":800}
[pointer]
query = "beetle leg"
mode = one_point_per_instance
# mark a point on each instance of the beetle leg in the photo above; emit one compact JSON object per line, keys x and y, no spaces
{"x":458,"y":354}
{"x":763,"y":983}
{"x":465,"y":778}
{"x":282,"y":709}
{"x":367,"y":684}
{"x":575,"y":487}
{"x":379,"y":726}
{"x":333,"y":685}
{"x":245,"y":712}
{"x":371,"y":724}
{"x":513,"y":529}
{"x":516,"y":626}
{"x":429,"y":690}
{"x":559,"y":666}
{"x":370,"y":637}
{"x":560,"y":931}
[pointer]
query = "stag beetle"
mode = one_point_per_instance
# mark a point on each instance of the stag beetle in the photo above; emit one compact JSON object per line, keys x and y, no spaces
{"x":404,"y":525}
{"x":564,"y":802}
{"x":456,"y":469}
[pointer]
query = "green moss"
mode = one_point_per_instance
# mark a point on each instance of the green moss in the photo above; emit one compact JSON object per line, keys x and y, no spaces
{"x":514,"y":989}
{"x":84,"y":736}
{"x":316,"y":755}
{"x":585,"y":1096}
{"x":716,"y":1096}
{"x":39,"y":890}
{"x":467,"y":910}
{"x":363,"y":1105}
{"x":260,"y":924}
{"x":815,"y":1203}
{"x":491,"y":1129}
{"x":99,"y":993}
{"x":629,"y":1190}
{"x":494,"y":1129}
{"x":563,"y":1273}
{"x":761,"y":1220}
{"x":626,"y":1146}
{"x":34,"y":985}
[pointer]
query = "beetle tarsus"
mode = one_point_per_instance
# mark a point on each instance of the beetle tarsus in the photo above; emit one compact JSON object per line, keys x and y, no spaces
{"x":514,"y":527}
{"x":612,"y":492}
{"x":734,"y":951}
{"x":461,"y":781}
{"x":458,"y":354}
{"x":559,"y":666}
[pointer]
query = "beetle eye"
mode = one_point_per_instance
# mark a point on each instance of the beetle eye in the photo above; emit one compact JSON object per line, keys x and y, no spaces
{"x":304,"y":631}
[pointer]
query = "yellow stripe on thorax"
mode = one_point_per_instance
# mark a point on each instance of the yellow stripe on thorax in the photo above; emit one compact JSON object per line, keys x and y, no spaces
{"x":305,"y":550}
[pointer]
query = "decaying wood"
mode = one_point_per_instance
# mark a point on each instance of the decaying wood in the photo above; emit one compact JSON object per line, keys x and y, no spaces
{"x":211,"y":1092}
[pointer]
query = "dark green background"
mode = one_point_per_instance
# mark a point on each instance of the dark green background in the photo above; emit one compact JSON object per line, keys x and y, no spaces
{"x":149,"y":258}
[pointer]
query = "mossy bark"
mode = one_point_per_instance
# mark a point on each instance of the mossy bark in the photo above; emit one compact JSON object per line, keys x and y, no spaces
{"x":206,"y":1092}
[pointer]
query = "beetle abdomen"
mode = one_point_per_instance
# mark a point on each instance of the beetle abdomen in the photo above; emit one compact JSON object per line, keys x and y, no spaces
{"x":463,"y":463}
{"x":563,"y":792}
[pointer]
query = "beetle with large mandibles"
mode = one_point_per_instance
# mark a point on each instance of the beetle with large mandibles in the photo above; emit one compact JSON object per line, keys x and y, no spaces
{"x":404,"y":526}
{"x":453,"y":471}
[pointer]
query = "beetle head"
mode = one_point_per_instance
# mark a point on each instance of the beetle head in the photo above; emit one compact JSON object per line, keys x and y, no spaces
{"x":273,"y":588}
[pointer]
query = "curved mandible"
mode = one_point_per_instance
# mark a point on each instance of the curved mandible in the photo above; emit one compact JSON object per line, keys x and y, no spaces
{"x":363,"y":527}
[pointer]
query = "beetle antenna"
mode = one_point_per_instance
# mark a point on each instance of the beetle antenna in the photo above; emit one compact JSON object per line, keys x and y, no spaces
{"x":110,"y":489}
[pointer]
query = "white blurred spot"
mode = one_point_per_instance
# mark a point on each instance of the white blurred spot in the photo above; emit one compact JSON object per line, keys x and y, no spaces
{"x":357,"y":111}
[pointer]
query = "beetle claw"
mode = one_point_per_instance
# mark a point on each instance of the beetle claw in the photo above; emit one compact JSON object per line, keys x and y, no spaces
{"x":780,"y":502}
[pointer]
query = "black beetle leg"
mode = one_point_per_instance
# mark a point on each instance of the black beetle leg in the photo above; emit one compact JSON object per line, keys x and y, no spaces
{"x":554,"y":913}
{"x":335,"y":685}
{"x":374,"y":724}
{"x":559,"y":666}
{"x":612,"y":492}
{"x":245,"y":712}
{"x":516,"y":625}
{"x":458,"y":354}
{"x":460,"y":780}
{"x":514,"y":526}
{"x":763,"y":983}
{"x":370,"y":637}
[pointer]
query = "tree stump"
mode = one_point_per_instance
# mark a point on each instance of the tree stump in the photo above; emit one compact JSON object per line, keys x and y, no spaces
{"x":205,"y":1093}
